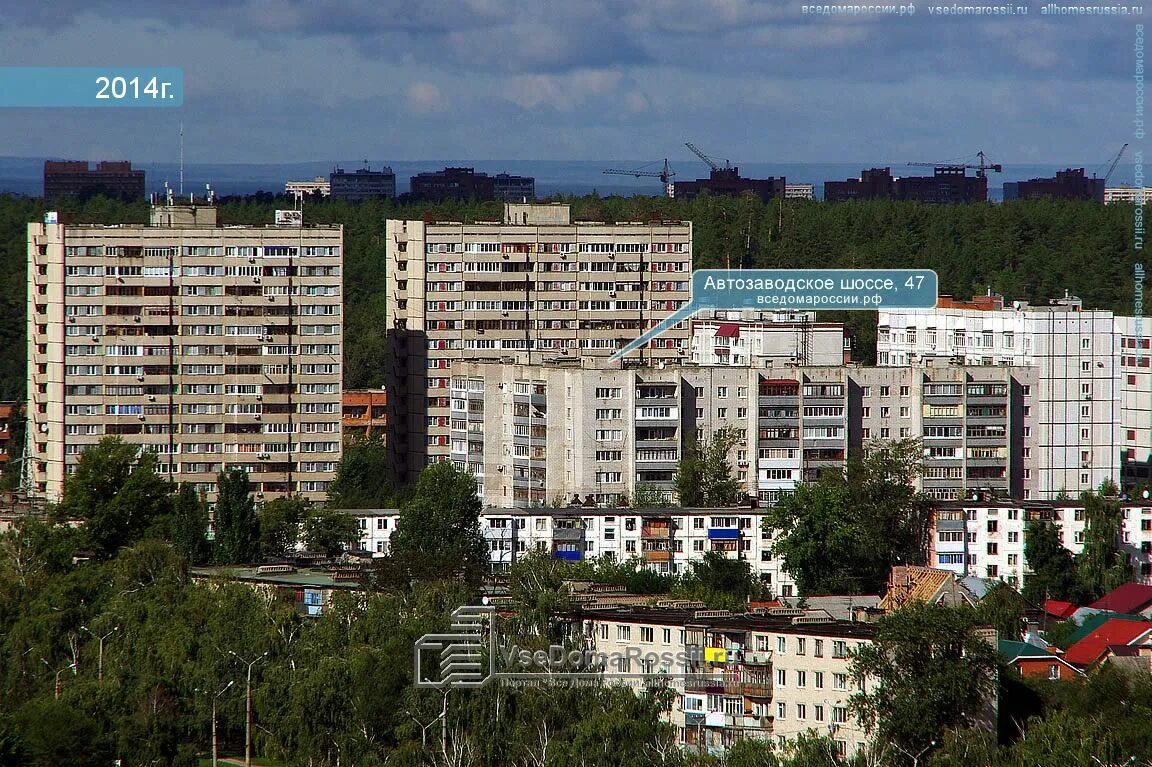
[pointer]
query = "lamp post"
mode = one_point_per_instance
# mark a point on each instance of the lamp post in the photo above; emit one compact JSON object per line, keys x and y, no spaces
{"x":248,"y":705}
{"x":58,"y":672}
{"x":100,"y":657}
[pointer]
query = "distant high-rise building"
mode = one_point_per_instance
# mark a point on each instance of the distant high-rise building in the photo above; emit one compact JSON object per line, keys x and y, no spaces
{"x":947,"y":184}
{"x":514,"y":188}
{"x":216,"y":347}
{"x":1070,"y":184}
{"x":1127,"y":194}
{"x":362,"y":184}
{"x":318,"y":185}
{"x":77,"y":180}
{"x":467,"y":184}
{"x":729,"y":183}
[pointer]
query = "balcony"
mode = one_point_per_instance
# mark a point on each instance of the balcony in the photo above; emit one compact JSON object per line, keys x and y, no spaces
{"x":657,"y":556}
{"x":724,"y":533}
{"x":568,"y":534}
{"x":656,"y":530}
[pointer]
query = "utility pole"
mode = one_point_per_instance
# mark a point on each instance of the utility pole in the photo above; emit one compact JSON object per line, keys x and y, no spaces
{"x":100,"y":657}
{"x":58,"y":672}
{"x":248,"y":706}
{"x":215,"y":741}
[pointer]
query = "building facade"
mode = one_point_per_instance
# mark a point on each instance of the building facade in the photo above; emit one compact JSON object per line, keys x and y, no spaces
{"x":1070,"y":184}
{"x":362,"y":184}
{"x":536,"y":283}
{"x":299,"y":189}
{"x":217,"y":347}
{"x":535,"y":433}
{"x":752,"y":339}
{"x":1076,"y":418}
{"x":365,"y":413}
{"x":79,"y":181}
{"x":986,"y":538}
{"x":467,"y":184}
{"x":947,"y":184}
{"x":10,"y":412}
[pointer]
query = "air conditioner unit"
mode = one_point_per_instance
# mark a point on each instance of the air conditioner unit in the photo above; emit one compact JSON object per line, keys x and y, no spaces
{"x":257,"y":416}
{"x":251,"y":259}
{"x":151,"y":397}
{"x":95,"y":338}
{"x":71,"y":319}
{"x":271,"y":298}
{"x":141,"y":416}
{"x":256,"y":280}
{"x":612,"y":293}
{"x":136,"y":318}
{"x":140,"y":379}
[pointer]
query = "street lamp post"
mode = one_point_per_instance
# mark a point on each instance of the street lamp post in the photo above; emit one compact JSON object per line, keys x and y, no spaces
{"x":58,"y":672}
{"x":215,"y":742}
{"x":248,"y":705}
{"x":100,"y":657}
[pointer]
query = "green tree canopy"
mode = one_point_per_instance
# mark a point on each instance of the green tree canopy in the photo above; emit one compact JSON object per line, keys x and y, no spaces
{"x":843,"y":533}
{"x":190,"y":521}
{"x":438,"y":533}
{"x":280,"y":520}
{"x":927,"y":670}
{"x":704,"y":475}
{"x":362,"y":476}
{"x":237,"y":527}
{"x":118,"y":494}
{"x":1053,"y":569}
{"x":330,"y":531}
{"x":1101,"y":565}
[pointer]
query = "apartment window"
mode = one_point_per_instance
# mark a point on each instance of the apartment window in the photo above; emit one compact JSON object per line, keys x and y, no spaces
{"x":781,"y":645}
{"x":721,"y":391}
{"x":781,"y":709}
{"x":801,"y":643}
{"x":667,"y":636}
{"x":1086,"y":366}
{"x":818,"y":713}
{"x":839,"y":681}
{"x":801,"y":679}
{"x":905,"y":391}
{"x":624,"y":633}
{"x":839,"y":649}
{"x":818,"y":648}
{"x":866,"y":412}
{"x":646,"y":633}
{"x":818,"y":679}
{"x":839,"y":714}
{"x":801,"y":711}
{"x":885,"y":412}
{"x":781,"y":677}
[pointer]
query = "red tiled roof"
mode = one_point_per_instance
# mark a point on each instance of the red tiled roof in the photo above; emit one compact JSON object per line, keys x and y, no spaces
{"x":1059,"y":608}
{"x":728,"y":330}
{"x":1115,"y":632}
{"x":1129,"y":598}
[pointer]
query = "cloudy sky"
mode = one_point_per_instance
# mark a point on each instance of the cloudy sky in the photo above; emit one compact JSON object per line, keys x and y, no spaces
{"x":316,"y":80}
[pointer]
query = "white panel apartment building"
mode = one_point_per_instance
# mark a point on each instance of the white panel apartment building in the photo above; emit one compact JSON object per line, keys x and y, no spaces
{"x":535,"y":283}
{"x":986,"y":539}
{"x":1077,"y":399}
{"x":567,"y":430}
{"x":215,"y":346}
{"x":751,"y":339}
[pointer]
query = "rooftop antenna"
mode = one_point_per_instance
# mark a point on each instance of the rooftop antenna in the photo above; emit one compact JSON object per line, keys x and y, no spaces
{"x":181,"y":159}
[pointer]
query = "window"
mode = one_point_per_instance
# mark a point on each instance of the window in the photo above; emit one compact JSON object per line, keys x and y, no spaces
{"x":781,"y":709}
{"x":839,"y":681}
{"x":818,"y":713}
{"x":801,"y":679}
{"x":801,"y":711}
{"x":839,"y":714}
{"x":800,"y":645}
{"x":624,"y":633}
{"x":818,"y":648}
{"x":1053,"y":671}
{"x":781,"y":677}
{"x":646,"y":633}
{"x":839,"y":649}
{"x":781,"y":645}
{"x":818,"y":679}
{"x":721,"y":391}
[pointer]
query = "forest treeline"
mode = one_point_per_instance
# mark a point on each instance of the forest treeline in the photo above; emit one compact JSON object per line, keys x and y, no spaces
{"x":1027,"y":250}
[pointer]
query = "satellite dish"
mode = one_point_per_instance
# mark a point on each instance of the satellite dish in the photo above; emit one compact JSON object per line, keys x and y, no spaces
{"x":44,"y":428}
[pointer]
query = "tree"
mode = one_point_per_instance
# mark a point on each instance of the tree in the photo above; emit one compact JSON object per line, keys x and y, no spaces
{"x":1003,"y":608}
{"x":330,"y":531}
{"x":649,"y":497}
{"x":361,"y":480}
{"x":118,"y":494}
{"x":189,"y":534}
{"x":704,"y":475}
{"x":1101,"y":565}
{"x":843,"y":533}
{"x":720,"y":582}
{"x":925,"y":671}
{"x":1053,"y":568}
{"x":280,"y":521}
{"x":438,"y":532}
{"x":237,"y":527}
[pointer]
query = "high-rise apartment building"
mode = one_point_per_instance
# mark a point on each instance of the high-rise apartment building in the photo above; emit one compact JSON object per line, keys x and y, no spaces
{"x":80,"y":181}
{"x":362,"y":184}
{"x":539,"y":433}
{"x":215,"y":346}
{"x":1077,"y":402}
{"x":535,"y":283}
{"x":751,"y":339}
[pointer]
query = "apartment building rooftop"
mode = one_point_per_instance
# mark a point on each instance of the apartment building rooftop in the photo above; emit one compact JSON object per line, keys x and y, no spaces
{"x":779,"y":620}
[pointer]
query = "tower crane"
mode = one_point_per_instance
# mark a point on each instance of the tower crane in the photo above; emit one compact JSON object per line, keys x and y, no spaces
{"x":981,"y":169}
{"x":1115,"y":162}
{"x":665,"y":175}
{"x":711,"y":163}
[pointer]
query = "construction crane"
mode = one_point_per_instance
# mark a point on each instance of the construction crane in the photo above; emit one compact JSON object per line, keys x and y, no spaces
{"x":711,"y":163}
{"x":981,"y":169}
{"x":664,"y":175}
{"x":1115,"y":162}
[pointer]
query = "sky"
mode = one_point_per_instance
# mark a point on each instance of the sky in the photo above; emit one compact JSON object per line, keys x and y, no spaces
{"x":282,"y":81}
